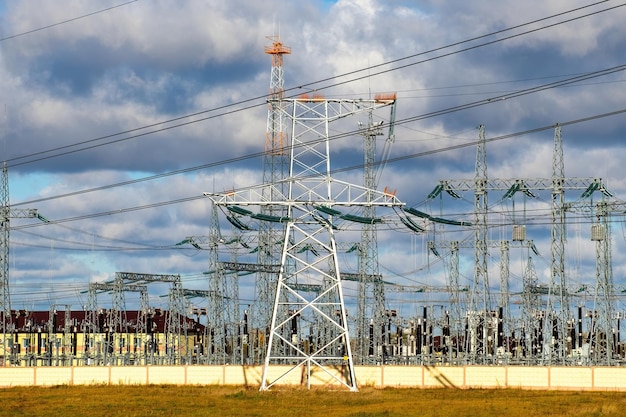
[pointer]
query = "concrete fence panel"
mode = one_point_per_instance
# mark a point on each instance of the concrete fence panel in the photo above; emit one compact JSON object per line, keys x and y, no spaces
{"x":401,"y":376}
{"x":443,"y":377}
{"x":605,"y":378}
{"x":205,"y":375}
{"x":485,"y":377}
{"x":167,"y":375}
{"x":15,"y":377}
{"x":90,"y":375}
{"x":128,"y":375}
{"x":529,"y":377}
{"x":368,"y":375}
{"x":575,"y":378}
{"x":522,"y":377}
{"x":54,"y":375}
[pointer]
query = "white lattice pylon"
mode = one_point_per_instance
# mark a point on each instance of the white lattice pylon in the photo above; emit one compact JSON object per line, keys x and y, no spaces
{"x":309,"y":335}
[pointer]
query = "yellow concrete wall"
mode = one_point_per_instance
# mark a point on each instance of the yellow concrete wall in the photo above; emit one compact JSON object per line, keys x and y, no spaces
{"x":524,"y":377}
{"x":609,"y":378}
{"x":443,"y":377}
{"x":54,"y":375}
{"x":368,"y":375}
{"x":321,"y":377}
{"x":167,"y":375}
{"x":286,"y":375}
{"x":485,"y":377}
{"x":87,"y":375}
{"x":127,"y":375}
{"x":241,"y":375}
{"x":17,"y":376}
{"x":205,"y":375}
{"x":400,"y":376}
{"x":528,"y":377}
{"x":572,"y":377}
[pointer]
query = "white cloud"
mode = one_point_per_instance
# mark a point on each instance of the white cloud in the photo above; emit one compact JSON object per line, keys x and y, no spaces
{"x":149,"y":62}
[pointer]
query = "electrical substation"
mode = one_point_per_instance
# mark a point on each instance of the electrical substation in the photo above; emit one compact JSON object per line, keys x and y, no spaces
{"x":307,"y":233}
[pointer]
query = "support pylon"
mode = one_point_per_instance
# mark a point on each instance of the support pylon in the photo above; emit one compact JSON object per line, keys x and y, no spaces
{"x":6,"y":213}
{"x":311,"y":203}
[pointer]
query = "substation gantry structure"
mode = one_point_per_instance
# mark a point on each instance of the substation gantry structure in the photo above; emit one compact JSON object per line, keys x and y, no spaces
{"x":6,"y":214}
{"x":113,"y":348}
{"x":309,"y":329}
{"x":603,"y":336}
{"x":222,"y":296}
{"x":176,"y":324}
{"x":547,"y":327}
{"x":472,"y":338}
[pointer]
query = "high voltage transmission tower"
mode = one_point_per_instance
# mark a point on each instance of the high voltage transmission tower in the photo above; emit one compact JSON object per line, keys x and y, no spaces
{"x":7,"y":213}
{"x":309,"y":327}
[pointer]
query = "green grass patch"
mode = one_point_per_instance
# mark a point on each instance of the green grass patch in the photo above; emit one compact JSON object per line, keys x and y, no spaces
{"x":198,"y":401}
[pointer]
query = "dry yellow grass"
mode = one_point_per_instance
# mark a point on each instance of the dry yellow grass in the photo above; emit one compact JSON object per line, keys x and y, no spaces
{"x":198,"y":401}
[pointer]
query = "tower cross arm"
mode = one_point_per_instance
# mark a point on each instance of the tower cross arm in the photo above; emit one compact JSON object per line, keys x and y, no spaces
{"x":325,"y":191}
{"x":104,"y":286}
{"x":20,"y":213}
{"x":134,"y":276}
{"x":504,"y":184}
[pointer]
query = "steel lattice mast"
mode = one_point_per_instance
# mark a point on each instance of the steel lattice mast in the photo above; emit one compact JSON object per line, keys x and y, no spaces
{"x":275,"y":166}
{"x":118,"y":309}
{"x":215,"y":311}
{"x":603,"y":343}
{"x":311,"y":203}
{"x":532,"y":318}
{"x":479,"y":298}
{"x":6,"y":213}
{"x":557,"y":271}
{"x":5,"y":299}
{"x":371,"y":291}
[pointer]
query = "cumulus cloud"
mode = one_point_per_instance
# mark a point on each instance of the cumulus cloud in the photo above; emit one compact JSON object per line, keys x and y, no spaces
{"x":181,"y":85}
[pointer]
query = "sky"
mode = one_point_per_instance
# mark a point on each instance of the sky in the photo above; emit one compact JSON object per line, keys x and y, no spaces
{"x":111,"y":109}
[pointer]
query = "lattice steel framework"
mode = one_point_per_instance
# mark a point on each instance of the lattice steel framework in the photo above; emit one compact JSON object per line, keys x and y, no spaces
{"x":311,"y":195}
{"x":176,"y":309}
{"x":216,"y":308}
{"x":602,"y":340}
{"x":6,"y":213}
{"x":118,"y":325}
{"x":532,"y":314}
{"x":275,"y":168}
{"x":556,"y":325}
{"x":371,"y":291}
{"x":558,"y":279}
{"x":480,"y":302}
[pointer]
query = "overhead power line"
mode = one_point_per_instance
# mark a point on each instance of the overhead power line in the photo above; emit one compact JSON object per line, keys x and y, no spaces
{"x":441,"y":112}
{"x":260,"y":100}
{"x":391,"y":160}
{"x":28,"y":32}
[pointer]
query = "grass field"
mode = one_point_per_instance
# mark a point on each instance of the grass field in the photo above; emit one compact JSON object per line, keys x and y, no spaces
{"x":198,"y":401}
